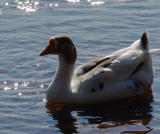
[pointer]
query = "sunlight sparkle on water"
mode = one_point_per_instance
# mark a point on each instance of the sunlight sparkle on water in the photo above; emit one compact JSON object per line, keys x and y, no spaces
{"x":44,"y":100}
{"x":7,"y":88}
{"x":5,"y":82}
{"x":37,"y":65}
{"x":16,"y":85}
{"x":25,"y":84}
{"x":42,"y":86}
{"x":20,"y":94}
{"x":28,"y":6}
{"x":7,"y":4}
{"x":73,"y":1}
{"x":53,"y":5}
{"x":97,"y":3}
{"x":123,"y":0}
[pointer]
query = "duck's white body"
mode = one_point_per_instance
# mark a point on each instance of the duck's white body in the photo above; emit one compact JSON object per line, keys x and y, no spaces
{"x":122,"y":74}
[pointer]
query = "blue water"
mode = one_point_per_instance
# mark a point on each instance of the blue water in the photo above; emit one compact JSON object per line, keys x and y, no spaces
{"x":97,"y":27}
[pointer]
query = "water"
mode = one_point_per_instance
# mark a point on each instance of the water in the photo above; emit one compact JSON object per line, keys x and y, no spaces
{"x":97,"y":27}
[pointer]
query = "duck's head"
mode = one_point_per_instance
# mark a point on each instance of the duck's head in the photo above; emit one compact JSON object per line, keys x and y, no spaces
{"x":63,"y":46}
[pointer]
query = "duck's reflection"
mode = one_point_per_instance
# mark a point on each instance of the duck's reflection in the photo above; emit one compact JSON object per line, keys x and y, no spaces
{"x":107,"y":115}
{"x":62,"y":113}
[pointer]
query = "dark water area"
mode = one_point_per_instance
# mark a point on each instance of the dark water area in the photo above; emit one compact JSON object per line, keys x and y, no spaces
{"x":97,"y":27}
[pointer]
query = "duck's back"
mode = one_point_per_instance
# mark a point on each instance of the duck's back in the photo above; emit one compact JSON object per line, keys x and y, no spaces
{"x":114,"y":76}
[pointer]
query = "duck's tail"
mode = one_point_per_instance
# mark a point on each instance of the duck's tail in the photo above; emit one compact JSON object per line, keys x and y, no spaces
{"x":145,"y":43}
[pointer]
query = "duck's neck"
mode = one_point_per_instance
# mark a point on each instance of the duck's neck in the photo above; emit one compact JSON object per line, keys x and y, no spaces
{"x":64,"y":73}
{"x":60,"y":87}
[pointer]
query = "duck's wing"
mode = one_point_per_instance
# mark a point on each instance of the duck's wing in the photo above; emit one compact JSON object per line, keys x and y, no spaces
{"x":107,"y":60}
{"x":85,"y":68}
{"x":118,"y":67}
{"x":119,"y":60}
{"x":114,"y":81}
{"x":118,"y":77}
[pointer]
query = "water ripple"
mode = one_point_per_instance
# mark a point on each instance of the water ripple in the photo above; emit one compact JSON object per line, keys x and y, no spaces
{"x":97,"y":27}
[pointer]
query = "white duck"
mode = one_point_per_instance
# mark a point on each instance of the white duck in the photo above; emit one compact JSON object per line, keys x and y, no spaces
{"x":122,"y":74}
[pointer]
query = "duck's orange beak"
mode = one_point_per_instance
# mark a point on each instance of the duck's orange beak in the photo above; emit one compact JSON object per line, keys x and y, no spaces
{"x":50,"y":49}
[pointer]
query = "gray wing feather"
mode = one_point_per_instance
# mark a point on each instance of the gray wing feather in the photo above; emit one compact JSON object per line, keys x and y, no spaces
{"x":99,"y":62}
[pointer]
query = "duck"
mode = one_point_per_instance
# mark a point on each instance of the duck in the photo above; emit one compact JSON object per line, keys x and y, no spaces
{"x":122,"y":74}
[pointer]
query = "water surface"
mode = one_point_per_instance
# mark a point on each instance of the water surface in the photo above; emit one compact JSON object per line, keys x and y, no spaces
{"x":97,"y":27}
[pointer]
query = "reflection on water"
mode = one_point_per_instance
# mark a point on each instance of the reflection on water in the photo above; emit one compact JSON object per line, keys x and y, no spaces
{"x":73,"y":1}
{"x":5,"y":85}
{"x":33,"y":5}
{"x":28,"y":5}
{"x":104,"y":116}
{"x":97,"y":3}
